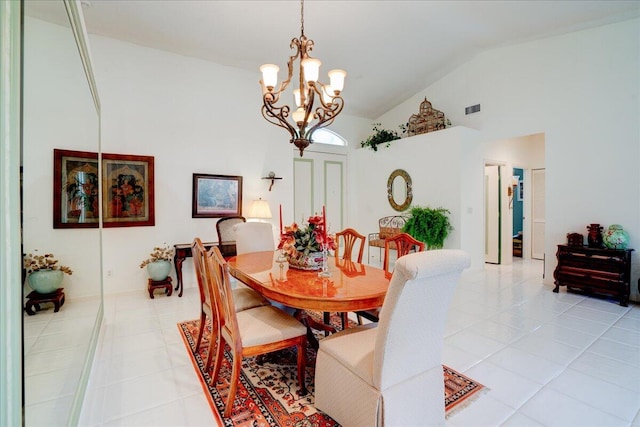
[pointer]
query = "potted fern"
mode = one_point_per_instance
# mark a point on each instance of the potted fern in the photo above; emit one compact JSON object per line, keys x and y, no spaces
{"x":429,"y":225}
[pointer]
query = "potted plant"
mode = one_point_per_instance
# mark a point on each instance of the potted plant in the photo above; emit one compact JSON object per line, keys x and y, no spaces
{"x":382,"y":136}
{"x":429,"y":225}
{"x":159,"y":262}
{"x":44,"y":274}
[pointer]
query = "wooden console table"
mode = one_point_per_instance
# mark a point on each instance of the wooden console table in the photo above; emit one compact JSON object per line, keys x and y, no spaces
{"x":182,"y":251}
{"x":594,"y":271}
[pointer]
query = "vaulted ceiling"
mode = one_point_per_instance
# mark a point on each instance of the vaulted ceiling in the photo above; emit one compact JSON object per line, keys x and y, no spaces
{"x":390,"y":49}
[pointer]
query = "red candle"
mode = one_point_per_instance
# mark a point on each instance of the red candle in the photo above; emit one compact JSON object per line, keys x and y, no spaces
{"x":281,"y":219}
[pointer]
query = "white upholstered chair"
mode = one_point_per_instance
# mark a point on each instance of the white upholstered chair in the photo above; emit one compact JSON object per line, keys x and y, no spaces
{"x":254,"y":237}
{"x":390,"y":373}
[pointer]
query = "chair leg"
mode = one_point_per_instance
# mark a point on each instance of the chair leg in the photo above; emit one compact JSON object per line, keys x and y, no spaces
{"x":213,"y":341}
{"x":235,"y":377}
{"x":345,"y":320}
{"x":327,"y":321}
{"x":203,"y":319}
{"x":217,"y":362}
{"x":302,"y":348}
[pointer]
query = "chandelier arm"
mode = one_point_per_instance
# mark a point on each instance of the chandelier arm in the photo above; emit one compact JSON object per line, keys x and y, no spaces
{"x":326,"y":116}
{"x":278,"y":116}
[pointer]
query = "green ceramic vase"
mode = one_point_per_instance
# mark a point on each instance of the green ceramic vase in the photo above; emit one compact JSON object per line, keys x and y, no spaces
{"x":615,"y":237}
{"x":46,"y":281}
{"x":158,"y":270}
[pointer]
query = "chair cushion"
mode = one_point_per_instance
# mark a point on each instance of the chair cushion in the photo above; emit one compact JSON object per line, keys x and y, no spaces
{"x":246,"y":298}
{"x":267,"y":324}
{"x":353,"y":348}
{"x":379,"y":243}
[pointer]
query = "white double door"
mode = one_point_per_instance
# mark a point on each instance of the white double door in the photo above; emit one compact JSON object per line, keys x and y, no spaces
{"x":320,"y":180}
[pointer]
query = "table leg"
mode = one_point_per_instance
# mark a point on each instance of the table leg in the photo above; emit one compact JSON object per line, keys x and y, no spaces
{"x":178,"y":259}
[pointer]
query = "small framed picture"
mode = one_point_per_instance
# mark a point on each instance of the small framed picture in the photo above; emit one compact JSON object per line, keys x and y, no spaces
{"x":520,"y":190}
{"x":76,"y":192}
{"x":216,"y":196}
{"x":127,"y":190}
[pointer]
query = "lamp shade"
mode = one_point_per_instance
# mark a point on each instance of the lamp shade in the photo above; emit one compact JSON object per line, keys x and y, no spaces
{"x":270,"y":75}
{"x":259,"y":209}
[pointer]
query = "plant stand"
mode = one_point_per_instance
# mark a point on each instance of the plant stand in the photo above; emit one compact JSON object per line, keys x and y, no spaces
{"x":35,"y":299}
{"x":160,"y":284}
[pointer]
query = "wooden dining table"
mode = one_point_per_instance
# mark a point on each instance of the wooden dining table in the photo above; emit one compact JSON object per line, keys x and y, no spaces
{"x":350,"y":286}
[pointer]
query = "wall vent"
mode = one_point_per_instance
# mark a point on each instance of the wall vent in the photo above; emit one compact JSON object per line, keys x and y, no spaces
{"x":472,"y":109}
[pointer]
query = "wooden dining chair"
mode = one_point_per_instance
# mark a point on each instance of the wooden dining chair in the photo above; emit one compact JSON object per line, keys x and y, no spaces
{"x":347,"y":239}
{"x":250,"y":332}
{"x":403,"y":243}
{"x":227,"y":234}
{"x":351,"y":238}
{"x":244,"y":299}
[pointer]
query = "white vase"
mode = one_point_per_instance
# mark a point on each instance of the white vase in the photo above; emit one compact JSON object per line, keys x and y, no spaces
{"x":158,"y":270}
{"x":46,"y":281}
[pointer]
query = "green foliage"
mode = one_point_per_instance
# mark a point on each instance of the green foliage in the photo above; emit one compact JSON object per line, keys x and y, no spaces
{"x":382,"y":136}
{"x":429,"y":225}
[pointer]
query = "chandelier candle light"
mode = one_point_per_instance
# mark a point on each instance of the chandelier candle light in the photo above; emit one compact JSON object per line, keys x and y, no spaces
{"x":305,"y":119}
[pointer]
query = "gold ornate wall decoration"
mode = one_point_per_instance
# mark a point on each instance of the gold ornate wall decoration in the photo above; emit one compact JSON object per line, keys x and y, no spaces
{"x":428,"y":120}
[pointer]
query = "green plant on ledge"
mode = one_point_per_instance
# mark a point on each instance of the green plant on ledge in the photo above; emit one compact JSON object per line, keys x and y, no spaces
{"x":382,"y":136}
{"x":429,"y":225}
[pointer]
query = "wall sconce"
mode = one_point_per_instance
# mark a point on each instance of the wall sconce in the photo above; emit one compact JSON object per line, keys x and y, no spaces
{"x":272,"y":176}
{"x":259,"y":209}
{"x":511,"y":190}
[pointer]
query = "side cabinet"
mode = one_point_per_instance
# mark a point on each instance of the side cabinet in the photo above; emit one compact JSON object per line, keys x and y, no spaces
{"x":594,"y":271}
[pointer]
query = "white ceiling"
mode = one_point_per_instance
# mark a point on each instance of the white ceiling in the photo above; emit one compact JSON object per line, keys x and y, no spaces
{"x":390,"y":49}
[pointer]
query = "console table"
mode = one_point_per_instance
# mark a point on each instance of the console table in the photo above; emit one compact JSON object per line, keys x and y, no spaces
{"x":594,"y":271}
{"x":181,"y":252}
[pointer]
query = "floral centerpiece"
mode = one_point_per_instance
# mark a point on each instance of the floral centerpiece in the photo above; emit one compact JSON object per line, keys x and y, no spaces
{"x":44,"y":273}
{"x":303,"y":245}
{"x":159,"y":262}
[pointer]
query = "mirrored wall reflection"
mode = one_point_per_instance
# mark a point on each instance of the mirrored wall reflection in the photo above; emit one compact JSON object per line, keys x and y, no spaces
{"x":58,"y":112}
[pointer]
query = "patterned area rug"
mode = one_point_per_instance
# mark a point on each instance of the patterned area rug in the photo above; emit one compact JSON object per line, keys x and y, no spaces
{"x":268,"y":393}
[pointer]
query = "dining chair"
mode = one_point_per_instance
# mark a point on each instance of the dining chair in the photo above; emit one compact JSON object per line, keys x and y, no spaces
{"x":390,"y":372}
{"x":227,"y":234}
{"x":403,"y":244}
{"x":244,"y":298}
{"x":347,"y":239}
{"x":250,"y":332}
{"x":254,"y":237}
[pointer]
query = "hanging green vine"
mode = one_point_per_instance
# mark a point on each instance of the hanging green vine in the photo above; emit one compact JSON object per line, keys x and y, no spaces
{"x":429,"y":225}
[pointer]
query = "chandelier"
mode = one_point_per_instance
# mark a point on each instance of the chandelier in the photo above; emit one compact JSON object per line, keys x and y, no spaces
{"x":317,"y":104}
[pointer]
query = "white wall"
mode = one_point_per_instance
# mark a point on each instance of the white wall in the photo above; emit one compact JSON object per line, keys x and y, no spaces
{"x":441,"y":165}
{"x":580,"y":90}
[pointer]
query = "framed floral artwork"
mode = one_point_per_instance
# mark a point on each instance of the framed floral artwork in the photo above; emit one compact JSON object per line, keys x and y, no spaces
{"x":76,"y":193}
{"x":216,"y":196}
{"x":127,"y":190}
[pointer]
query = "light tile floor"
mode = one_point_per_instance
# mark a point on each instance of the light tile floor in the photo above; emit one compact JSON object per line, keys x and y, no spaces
{"x":548,"y":359}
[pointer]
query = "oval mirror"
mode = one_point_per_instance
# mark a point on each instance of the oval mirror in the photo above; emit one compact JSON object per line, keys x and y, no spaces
{"x":399,"y":190}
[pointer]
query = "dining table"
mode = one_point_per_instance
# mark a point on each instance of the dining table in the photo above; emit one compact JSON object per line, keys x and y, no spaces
{"x":348,"y":286}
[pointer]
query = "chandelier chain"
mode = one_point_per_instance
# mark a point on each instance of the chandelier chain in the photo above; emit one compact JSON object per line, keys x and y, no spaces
{"x":302,"y":17}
